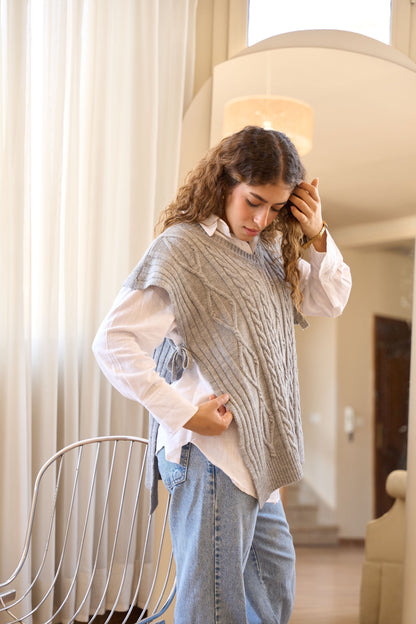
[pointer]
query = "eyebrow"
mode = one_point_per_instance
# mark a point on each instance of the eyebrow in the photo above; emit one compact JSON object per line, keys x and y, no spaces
{"x":260,"y":198}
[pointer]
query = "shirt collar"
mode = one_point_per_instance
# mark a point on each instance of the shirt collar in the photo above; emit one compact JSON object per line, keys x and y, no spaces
{"x":214,"y":223}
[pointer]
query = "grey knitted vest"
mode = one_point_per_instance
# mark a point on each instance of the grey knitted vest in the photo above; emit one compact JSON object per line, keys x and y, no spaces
{"x":235,"y":315}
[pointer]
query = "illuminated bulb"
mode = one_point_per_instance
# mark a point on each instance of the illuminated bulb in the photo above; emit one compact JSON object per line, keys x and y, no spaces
{"x":293,"y":117}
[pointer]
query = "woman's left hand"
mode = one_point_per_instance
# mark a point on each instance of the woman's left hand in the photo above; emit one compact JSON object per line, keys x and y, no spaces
{"x":306,"y":207}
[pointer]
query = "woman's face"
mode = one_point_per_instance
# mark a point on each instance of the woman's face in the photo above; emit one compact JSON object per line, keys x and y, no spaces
{"x":250,"y":209}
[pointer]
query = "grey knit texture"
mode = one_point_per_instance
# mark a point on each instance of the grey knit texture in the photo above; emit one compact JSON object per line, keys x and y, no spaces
{"x":235,"y":314}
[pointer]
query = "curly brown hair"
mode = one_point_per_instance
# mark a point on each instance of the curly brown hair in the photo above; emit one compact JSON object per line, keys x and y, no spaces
{"x":253,"y":156}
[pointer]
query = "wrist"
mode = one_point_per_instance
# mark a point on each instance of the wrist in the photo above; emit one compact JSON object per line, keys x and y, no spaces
{"x":306,"y":242}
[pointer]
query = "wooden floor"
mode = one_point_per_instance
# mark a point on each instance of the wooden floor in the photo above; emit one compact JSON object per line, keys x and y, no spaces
{"x":328,"y":585}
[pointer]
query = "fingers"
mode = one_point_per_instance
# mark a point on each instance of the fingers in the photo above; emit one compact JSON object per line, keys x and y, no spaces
{"x":221,"y":400}
{"x":306,"y":207}
{"x":227,"y":418}
{"x":220,"y":405}
{"x":307,"y":192}
{"x":212,"y":417}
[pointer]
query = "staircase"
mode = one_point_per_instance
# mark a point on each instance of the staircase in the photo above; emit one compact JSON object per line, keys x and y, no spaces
{"x":311,"y":521}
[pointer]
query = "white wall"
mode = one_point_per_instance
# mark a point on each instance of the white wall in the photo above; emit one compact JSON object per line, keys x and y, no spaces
{"x":336,"y":370}
{"x":382,"y":285}
{"x":316,"y":348}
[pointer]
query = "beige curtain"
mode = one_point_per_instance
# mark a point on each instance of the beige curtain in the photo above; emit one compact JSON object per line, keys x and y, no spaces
{"x":92,"y":94}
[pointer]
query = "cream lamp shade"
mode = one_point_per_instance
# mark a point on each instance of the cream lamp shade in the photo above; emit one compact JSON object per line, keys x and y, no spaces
{"x":293,"y":117}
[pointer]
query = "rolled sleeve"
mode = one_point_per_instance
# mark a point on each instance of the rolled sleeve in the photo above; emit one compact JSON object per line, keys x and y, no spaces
{"x":325,"y":282}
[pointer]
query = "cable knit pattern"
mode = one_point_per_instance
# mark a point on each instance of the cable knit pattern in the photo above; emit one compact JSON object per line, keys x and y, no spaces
{"x":235,"y":315}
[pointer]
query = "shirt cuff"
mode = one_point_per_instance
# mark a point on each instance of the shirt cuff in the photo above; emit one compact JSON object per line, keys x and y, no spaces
{"x":325,"y":263}
{"x":169,"y":407}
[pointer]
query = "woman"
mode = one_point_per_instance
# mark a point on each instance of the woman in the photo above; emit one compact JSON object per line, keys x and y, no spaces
{"x":202,"y":334}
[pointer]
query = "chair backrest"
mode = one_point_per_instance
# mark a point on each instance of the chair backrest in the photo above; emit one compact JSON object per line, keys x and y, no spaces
{"x":92,"y":548}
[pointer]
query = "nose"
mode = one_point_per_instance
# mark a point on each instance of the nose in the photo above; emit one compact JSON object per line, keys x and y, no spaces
{"x":261,"y":217}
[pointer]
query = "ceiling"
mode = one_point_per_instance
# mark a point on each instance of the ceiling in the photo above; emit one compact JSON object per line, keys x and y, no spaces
{"x":363,"y":94}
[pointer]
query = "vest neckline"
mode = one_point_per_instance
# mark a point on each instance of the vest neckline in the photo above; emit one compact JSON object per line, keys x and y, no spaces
{"x":197,"y":230}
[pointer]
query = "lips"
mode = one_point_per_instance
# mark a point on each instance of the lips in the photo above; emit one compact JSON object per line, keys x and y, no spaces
{"x":251,"y":232}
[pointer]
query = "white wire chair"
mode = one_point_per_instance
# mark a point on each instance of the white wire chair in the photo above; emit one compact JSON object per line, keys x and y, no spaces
{"x":100,"y":555}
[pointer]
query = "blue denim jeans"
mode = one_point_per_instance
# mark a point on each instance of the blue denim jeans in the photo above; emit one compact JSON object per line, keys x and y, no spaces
{"x":235,"y":563}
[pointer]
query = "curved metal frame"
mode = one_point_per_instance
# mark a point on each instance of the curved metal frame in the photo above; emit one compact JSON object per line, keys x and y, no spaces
{"x":122,"y":525}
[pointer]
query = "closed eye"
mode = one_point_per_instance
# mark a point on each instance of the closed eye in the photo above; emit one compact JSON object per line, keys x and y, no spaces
{"x":251,"y":204}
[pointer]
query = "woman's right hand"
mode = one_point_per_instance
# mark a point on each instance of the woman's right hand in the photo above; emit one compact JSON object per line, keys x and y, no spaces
{"x":211,"y":418}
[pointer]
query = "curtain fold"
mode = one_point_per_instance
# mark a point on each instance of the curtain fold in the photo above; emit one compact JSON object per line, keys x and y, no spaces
{"x":92,"y":94}
{"x":15,"y":293}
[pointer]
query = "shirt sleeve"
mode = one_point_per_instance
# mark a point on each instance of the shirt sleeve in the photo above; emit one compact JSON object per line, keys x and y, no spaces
{"x":137,"y":323}
{"x":325,"y":282}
